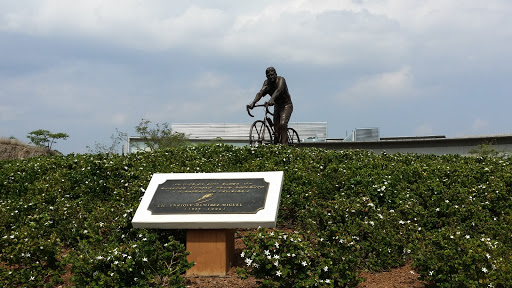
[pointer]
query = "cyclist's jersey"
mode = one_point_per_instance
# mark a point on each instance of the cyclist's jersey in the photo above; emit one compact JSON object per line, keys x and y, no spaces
{"x":278,"y":91}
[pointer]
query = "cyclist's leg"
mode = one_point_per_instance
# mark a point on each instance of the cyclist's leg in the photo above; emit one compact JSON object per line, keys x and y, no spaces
{"x":285,"y":114}
{"x":277,"y":120}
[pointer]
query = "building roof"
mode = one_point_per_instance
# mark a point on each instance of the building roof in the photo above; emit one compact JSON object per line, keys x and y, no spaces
{"x":226,"y":131}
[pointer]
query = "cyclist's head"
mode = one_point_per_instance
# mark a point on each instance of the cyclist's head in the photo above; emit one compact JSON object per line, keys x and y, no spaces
{"x":271,"y":74}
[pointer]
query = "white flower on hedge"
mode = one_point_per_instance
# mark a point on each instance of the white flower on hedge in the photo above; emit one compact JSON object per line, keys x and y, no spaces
{"x":248,"y":261}
{"x":326,"y":268}
{"x":267,"y":252}
{"x":277,"y":245}
{"x":327,"y":281}
{"x":242,"y":255}
{"x":145,"y":259}
{"x":467,"y":236}
{"x":484,"y":270}
{"x":278,"y":273}
{"x":304,"y":263}
{"x":276,"y":263}
{"x":100,"y":257}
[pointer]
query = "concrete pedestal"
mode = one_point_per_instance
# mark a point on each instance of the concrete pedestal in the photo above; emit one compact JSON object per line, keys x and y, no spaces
{"x":212,"y":250}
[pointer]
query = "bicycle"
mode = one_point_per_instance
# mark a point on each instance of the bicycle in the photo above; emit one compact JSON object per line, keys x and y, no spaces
{"x":262,"y":131}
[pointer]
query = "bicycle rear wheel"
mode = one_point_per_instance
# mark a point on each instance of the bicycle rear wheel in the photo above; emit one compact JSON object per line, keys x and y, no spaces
{"x":259,"y":134}
{"x":293,"y":137}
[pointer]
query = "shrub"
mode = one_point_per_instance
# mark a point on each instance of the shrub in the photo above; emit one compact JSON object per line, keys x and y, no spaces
{"x":351,"y":210}
{"x":284,"y":259}
{"x":142,"y":261}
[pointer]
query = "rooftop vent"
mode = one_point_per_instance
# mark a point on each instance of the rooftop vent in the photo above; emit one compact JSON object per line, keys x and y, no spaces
{"x":363,"y":135}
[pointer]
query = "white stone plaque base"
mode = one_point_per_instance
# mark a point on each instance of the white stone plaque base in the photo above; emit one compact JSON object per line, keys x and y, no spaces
{"x":204,"y":219}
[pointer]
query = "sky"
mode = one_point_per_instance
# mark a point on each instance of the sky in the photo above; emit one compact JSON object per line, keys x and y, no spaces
{"x":408,"y":67}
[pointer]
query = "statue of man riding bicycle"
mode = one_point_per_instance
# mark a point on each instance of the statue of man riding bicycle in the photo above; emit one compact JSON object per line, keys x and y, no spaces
{"x":276,"y":87}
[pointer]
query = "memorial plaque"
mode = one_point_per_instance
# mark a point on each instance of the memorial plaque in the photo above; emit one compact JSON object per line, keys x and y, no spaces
{"x":210,"y":201}
{"x":198,"y":196}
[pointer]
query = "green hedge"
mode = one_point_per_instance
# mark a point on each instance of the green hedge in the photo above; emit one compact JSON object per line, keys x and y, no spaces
{"x":341,"y":212}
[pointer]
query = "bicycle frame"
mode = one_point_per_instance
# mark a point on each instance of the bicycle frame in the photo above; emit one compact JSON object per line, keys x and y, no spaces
{"x":264,"y":132}
{"x":266,"y":119}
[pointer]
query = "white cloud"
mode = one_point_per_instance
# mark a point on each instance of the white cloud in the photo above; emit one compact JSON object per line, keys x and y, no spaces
{"x":119,"y":118}
{"x":210,"y":80}
{"x":325,"y":32}
{"x":298,"y":31}
{"x":10,"y":113}
{"x":393,"y":85}
{"x":214,"y":96}
{"x":424,"y":130}
{"x":136,"y":24}
{"x":55,"y":89}
{"x":110,"y":63}
{"x":479,"y":124}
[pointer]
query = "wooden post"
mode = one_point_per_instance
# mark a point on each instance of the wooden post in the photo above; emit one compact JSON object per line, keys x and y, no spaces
{"x":212,"y":250}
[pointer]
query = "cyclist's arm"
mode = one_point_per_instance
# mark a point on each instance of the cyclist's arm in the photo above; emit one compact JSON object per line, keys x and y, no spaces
{"x":260,"y":94}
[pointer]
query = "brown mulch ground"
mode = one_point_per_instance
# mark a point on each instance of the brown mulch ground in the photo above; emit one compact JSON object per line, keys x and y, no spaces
{"x":403,"y":277}
{"x":396,"y":278}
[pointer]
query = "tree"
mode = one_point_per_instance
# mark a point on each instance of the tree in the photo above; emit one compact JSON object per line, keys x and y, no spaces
{"x":116,"y":138}
{"x":485,"y":150}
{"x":160,"y":137}
{"x":44,"y":138}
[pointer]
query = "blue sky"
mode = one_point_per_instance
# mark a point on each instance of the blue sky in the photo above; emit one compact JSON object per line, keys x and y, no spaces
{"x":409,"y":67}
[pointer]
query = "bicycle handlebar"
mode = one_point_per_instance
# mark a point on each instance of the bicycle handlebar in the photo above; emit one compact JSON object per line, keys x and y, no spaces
{"x":248,"y":107}
{"x":259,"y":105}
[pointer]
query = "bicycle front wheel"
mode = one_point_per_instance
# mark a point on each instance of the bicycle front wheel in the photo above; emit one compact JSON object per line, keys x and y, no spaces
{"x":259,"y":134}
{"x":293,"y":137}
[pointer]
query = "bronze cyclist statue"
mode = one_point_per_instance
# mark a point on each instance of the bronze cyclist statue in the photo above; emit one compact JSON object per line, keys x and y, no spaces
{"x":276,"y":87}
